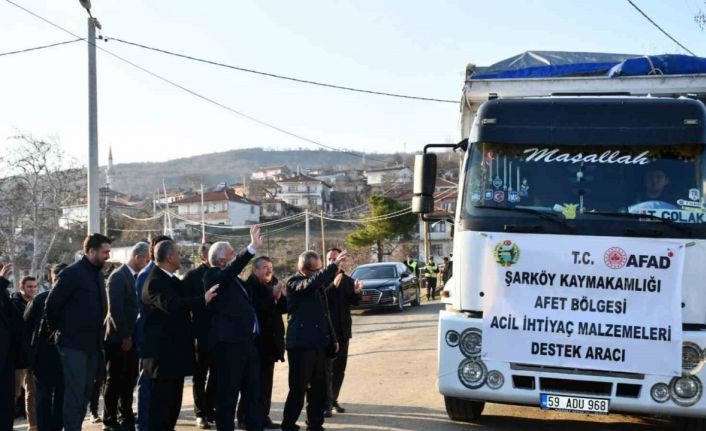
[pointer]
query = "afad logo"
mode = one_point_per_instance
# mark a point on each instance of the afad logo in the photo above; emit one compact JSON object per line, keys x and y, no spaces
{"x":506,"y":253}
{"x":617,"y":258}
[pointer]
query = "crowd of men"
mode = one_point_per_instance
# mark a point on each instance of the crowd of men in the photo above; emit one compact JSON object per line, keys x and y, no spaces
{"x":148,"y":328}
{"x":433,"y":273}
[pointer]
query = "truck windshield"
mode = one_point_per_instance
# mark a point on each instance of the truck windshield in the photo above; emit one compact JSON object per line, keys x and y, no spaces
{"x":591,"y":186}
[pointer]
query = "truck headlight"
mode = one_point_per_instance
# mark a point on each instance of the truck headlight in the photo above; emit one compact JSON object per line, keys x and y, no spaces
{"x":472,"y":373}
{"x":470,"y":343}
{"x":686,"y":391}
{"x":452,"y":338}
{"x":691,"y":357}
{"x":660,"y":392}
{"x":495,"y":379}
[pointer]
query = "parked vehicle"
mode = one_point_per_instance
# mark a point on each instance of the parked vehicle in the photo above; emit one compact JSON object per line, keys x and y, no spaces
{"x":580,"y":238}
{"x":387,"y":285}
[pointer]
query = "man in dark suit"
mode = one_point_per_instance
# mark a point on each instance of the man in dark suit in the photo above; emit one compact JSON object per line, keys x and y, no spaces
{"x":45,"y":362}
{"x":310,"y":339}
{"x":121,"y":361}
{"x":76,"y":307}
{"x":204,"y":391}
{"x":270,"y":301}
{"x":168,"y":354}
{"x":341,"y":295}
{"x":11,"y":340}
{"x":234,"y":328}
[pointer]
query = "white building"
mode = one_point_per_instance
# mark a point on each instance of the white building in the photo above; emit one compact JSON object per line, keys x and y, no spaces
{"x":271,"y":173}
{"x":394,"y":174}
{"x":219,"y":207}
{"x":304,"y":191}
{"x":440,"y":240}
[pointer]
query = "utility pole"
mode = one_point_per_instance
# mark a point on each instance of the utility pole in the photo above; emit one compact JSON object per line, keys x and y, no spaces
{"x":306,"y":229}
{"x":92,"y":189}
{"x":323,"y":237}
{"x":203,"y":219}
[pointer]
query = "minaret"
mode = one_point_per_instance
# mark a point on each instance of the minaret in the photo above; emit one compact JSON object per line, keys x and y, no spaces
{"x":109,"y":171}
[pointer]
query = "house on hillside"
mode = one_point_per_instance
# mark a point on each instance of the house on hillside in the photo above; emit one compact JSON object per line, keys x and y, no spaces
{"x":172,"y":196}
{"x":271,"y":173}
{"x":272,"y":209}
{"x":118,"y":204}
{"x":390,"y":175}
{"x":220,"y":207}
{"x":305,"y":192}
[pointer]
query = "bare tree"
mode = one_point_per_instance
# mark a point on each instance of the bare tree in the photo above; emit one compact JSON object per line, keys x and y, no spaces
{"x":37,"y":183}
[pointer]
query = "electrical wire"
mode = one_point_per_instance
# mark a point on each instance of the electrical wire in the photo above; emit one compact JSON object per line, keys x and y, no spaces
{"x":199,"y":95}
{"x":266,"y":233}
{"x":36,"y":48}
{"x":232,"y":227}
{"x":660,"y":28}
{"x":274,"y":75}
{"x":154,"y":217}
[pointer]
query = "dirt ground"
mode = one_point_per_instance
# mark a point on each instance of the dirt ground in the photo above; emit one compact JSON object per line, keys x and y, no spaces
{"x":391,"y":385}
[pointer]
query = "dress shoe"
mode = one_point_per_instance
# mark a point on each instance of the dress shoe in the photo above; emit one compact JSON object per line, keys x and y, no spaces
{"x":241,"y":425}
{"x":203,"y":424}
{"x":327,"y":413}
{"x":337,"y":407}
{"x":268,"y":424}
{"x":95,"y":419}
{"x":112,"y":426}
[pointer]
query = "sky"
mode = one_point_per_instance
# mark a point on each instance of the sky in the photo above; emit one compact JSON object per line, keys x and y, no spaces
{"x":402,"y":46}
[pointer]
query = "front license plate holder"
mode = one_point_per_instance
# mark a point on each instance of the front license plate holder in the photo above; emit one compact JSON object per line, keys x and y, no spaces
{"x":571,"y":403}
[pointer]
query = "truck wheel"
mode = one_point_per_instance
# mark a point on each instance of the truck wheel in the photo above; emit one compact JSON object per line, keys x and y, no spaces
{"x":417,"y":301}
{"x":691,"y":424}
{"x":462,"y":410}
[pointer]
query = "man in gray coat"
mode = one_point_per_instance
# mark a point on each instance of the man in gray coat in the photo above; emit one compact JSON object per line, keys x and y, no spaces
{"x":120,"y":353}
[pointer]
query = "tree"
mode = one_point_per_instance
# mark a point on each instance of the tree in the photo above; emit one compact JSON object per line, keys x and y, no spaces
{"x":384,"y":233}
{"x":700,"y":18}
{"x":38,"y":182}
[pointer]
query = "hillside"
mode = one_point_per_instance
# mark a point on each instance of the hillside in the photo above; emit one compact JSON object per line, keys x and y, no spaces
{"x":230,"y":166}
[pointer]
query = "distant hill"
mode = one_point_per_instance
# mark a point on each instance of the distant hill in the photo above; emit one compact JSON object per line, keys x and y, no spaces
{"x":231,"y":166}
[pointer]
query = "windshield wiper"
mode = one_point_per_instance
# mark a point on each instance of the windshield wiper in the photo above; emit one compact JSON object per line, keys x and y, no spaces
{"x":542,"y":214}
{"x":670,"y":223}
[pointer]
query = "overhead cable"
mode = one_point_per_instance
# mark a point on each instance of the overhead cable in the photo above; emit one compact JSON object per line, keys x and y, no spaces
{"x":36,"y":48}
{"x":660,"y":28}
{"x":201,"y":96}
{"x":278,"y":76}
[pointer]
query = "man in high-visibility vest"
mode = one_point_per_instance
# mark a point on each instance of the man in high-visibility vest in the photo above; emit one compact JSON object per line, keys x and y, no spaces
{"x":431,"y":270}
{"x":413,"y":265}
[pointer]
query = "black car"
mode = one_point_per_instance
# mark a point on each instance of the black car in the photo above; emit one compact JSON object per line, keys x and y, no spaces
{"x":387,"y":285}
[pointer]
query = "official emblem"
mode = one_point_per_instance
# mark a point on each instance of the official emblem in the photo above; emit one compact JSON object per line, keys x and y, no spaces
{"x":615,"y":258}
{"x":506,"y":253}
{"x":694,"y":194}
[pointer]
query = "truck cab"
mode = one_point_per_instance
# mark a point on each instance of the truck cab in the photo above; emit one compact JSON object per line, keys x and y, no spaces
{"x":578,"y":250}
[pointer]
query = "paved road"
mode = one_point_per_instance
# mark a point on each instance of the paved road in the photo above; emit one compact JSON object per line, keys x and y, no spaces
{"x":391,"y":385}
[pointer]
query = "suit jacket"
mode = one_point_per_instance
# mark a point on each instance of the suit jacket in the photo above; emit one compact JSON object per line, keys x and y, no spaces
{"x":44,"y":359}
{"x":13,"y":345}
{"x":309,"y":324}
{"x":269,"y":314}
{"x":340,"y":300}
{"x":168,"y":348}
{"x":232,"y":309}
{"x":140,"y":326}
{"x":77,"y":306}
{"x":122,"y":305}
{"x":193,"y":283}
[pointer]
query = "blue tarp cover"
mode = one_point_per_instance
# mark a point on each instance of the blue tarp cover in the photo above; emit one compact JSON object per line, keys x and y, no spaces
{"x":546,"y":64}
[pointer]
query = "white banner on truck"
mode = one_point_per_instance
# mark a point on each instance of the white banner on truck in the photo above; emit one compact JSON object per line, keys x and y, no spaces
{"x":598,"y":303}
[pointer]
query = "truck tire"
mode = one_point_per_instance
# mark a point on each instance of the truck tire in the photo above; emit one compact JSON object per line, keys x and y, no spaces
{"x":691,"y":424}
{"x":462,"y":410}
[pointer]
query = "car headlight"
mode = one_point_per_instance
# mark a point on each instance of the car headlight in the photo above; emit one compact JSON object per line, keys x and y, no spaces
{"x":472,"y":373}
{"x":686,"y":391}
{"x":495,"y":379}
{"x":691,"y":357}
{"x":470,"y":343}
{"x":452,"y":338}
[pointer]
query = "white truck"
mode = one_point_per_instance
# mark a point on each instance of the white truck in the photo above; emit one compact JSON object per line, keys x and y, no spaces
{"x":579,"y":246}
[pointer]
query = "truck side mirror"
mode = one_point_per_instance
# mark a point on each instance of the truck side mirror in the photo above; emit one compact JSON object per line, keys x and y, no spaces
{"x":424,"y":183}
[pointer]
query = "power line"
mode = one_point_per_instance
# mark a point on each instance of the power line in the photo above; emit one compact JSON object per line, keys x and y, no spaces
{"x":199,"y":95}
{"x":274,"y":75}
{"x":36,"y":48}
{"x":660,"y":28}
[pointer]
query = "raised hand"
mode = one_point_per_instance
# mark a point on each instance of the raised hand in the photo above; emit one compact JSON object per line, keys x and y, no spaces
{"x":6,"y":271}
{"x":255,"y":237}
{"x":278,"y":290}
{"x":358,"y":286}
{"x":283,"y":289}
{"x":211,"y":293}
{"x":342,"y":256}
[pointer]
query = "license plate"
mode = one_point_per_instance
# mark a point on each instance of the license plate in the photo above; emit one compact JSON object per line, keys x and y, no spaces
{"x":573,"y":404}
{"x":367,"y":298}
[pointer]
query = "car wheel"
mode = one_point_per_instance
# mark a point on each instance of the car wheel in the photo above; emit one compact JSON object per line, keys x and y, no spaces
{"x":400,"y":300}
{"x":417,"y":301}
